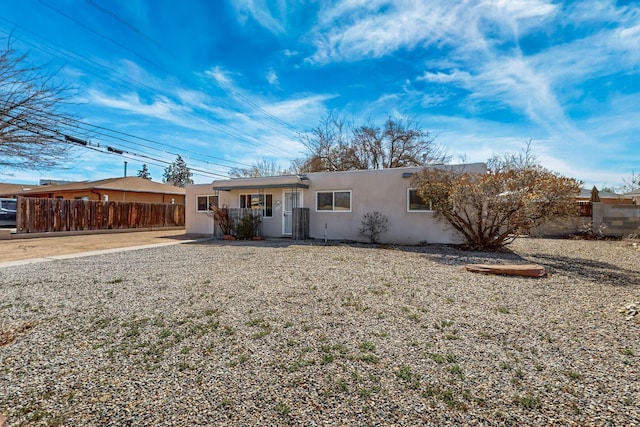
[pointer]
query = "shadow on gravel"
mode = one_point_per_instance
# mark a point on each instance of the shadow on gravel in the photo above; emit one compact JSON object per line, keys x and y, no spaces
{"x":453,"y":255}
{"x":442,"y":254}
{"x":587,"y":269}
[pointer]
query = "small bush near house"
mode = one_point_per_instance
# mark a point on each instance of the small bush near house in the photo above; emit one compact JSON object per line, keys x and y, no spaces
{"x":224,"y":221}
{"x":592,"y":231}
{"x":373,"y":225}
{"x":248,"y":226}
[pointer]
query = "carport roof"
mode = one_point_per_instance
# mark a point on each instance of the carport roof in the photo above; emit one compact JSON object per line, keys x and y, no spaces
{"x":283,"y":181}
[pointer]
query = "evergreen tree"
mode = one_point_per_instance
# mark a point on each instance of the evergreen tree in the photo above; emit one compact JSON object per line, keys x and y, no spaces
{"x":178,"y":173}
{"x":144,"y":173}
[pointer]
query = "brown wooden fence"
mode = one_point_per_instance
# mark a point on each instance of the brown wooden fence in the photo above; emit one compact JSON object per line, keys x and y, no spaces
{"x":585,"y":208}
{"x":47,"y":215}
{"x":300,"y":224}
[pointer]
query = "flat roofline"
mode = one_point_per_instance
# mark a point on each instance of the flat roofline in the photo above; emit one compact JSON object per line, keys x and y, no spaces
{"x":249,"y":187}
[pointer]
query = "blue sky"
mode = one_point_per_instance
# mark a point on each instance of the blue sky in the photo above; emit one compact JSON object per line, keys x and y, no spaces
{"x":226,"y":84}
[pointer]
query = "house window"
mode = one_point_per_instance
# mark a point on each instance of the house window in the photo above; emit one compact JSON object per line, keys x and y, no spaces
{"x":415,"y":203}
{"x":333,"y":201}
{"x":258,"y":201}
{"x":206,"y":203}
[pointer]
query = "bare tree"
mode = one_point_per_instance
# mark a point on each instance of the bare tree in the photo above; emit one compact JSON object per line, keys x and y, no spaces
{"x":336,"y":145}
{"x":31,"y":115}
{"x":264,"y":167}
{"x":631,"y":184}
{"x":297,"y":166}
{"x":397,"y":144}
{"x":330,"y":147}
{"x":522,"y":160}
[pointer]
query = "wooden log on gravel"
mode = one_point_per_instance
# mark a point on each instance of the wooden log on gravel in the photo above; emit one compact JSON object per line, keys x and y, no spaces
{"x":528,"y":270}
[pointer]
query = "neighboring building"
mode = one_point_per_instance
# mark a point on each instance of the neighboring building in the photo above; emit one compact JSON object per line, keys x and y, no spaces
{"x":127,"y":189}
{"x":55,"y":182}
{"x":634,"y":196}
{"x":11,"y":190}
{"x":607,"y":197}
{"x":337,"y":202}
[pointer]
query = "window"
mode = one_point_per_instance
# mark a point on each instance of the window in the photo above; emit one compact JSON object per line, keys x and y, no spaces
{"x":415,"y":203}
{"x":258,"y":201}
{"x":333,"y":201}
{"x":206,"y":203}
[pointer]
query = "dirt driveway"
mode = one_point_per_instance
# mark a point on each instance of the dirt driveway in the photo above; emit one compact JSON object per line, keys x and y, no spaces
{"x":20,"y":249}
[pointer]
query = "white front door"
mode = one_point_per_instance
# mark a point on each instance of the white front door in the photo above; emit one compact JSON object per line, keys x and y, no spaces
{"x":291,"y":200}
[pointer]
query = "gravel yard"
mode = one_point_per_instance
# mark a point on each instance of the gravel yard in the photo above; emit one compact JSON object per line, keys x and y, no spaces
{"x":276,"y":333}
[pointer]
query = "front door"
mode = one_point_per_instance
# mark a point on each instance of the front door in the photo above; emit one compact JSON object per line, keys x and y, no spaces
{"x":291,"y":200}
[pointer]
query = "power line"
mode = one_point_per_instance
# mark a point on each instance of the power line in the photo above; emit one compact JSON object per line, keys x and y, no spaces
{"x":122,"y":21}
{"x":150,"y":141}
{"x":223,"y":87}
{"x":30,"y":113}
{"x":137,"y":85}
{"x":66,"y":138}
{"x":133,"y":155}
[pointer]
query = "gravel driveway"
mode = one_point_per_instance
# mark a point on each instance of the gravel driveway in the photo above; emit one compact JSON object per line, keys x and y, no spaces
{"x":307,"y":334}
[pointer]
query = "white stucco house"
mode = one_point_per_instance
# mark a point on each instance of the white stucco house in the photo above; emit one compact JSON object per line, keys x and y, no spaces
{"x":337,"y":202}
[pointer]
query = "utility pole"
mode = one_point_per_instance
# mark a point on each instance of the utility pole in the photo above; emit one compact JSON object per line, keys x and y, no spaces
{"x":125,"y":168}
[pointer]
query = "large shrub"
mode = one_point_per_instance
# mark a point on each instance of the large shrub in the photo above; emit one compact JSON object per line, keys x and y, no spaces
{"x":491,"y":210}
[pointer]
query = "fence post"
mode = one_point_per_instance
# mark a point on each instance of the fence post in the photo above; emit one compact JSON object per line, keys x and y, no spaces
{"x":300,"y":223}
{"x":34,"y":215}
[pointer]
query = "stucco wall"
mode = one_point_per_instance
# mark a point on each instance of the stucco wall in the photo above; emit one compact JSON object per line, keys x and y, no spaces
{"x":202,"y":223}
{"x":562,"y":226}
{"x":384,"y":191}
{"x":620,"y":220}
{"x":197,"y":222}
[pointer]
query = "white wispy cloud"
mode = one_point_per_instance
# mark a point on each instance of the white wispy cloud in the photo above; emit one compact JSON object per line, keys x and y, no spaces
{"x":272,"y":77}
{"x":219,"y":75}
{"x":300,"y":108}
{"x":159,"y":108}
{"x":358,"y":30}
{"x":270,"y":15}
{"x":485,"y":60}
{"x":353,"y":30}
{"x":454,"y":76}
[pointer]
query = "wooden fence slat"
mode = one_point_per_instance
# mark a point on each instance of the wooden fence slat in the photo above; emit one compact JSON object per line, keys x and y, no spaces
{"x":51,"y":215}
{"x":585,"y":208}
{"x":300,"y":223}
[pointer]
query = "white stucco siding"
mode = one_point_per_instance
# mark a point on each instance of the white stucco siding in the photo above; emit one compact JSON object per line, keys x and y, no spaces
{"x":201,"y":223}
{"x":197,"y":222}
{"x":384,"y":191}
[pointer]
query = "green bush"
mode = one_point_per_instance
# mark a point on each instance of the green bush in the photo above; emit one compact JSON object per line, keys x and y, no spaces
{"x":248,"y":227}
